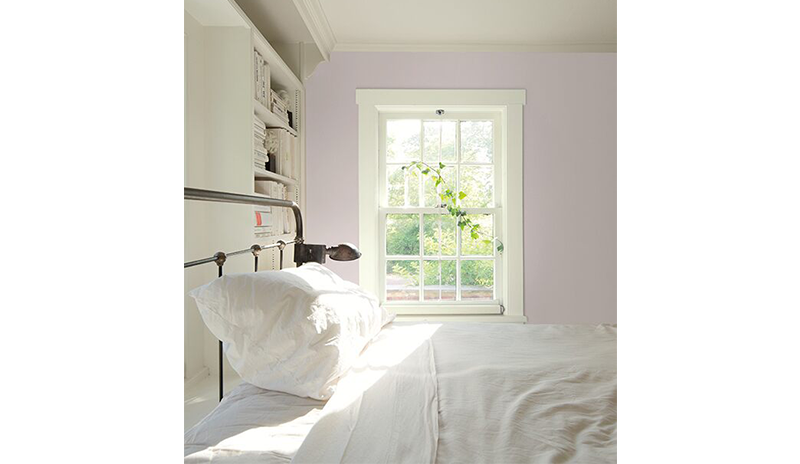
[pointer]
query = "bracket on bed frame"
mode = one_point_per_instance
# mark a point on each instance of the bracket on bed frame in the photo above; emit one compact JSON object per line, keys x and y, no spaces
{"x":303,"y":253}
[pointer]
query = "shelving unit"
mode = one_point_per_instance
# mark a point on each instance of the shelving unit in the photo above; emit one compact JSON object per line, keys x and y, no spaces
{"x":228,"y":40}
{"x":262,"y":174}
{"x":220,"y":110}
{"x":271,"y":119}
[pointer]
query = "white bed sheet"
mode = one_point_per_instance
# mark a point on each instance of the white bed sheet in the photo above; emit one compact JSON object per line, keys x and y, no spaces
{"x":501,"y":393}
{"x":527,"y":393}
{"x":252,"y":425}
{"x":454,"y":392}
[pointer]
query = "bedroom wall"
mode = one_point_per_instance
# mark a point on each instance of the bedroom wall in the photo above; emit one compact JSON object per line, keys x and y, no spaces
{"x":569,"y":163}
{"x":195,"y":220}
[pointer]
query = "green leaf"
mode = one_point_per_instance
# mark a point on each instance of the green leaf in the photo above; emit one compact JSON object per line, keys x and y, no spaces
{"x":474,"y":235}
{"x":461,"y":195}
{"x":441,"y":165}
{"x":404,"y":168}
{"x":438,"y":181}
{"x":426,"y":171}
{"x":500,"y":247}
{"x":487,"y":241}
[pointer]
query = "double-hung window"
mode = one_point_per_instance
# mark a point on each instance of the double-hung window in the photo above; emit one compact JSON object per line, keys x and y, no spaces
{"x":426,"y":258}
{"x":420,"y":262}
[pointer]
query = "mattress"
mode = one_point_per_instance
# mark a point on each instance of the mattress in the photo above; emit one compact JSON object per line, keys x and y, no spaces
{"x":454,"y":392}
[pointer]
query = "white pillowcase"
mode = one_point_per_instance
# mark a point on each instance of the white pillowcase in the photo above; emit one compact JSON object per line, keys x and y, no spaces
{"x":295,"y":331}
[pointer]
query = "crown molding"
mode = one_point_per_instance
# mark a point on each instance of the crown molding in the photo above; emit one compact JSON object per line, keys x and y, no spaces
{"x":559,"y":48}
{"x":317,"y":23}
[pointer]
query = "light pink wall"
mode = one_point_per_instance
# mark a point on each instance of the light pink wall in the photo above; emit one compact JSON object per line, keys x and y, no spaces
{"x":569,"y":165}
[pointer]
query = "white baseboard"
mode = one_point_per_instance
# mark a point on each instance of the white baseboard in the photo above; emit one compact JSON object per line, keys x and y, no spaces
{"x":197,"y":378}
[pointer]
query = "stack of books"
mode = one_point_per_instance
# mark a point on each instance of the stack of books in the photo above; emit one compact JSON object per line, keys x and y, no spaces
{"x":279,"y":106}
{"x":269,"y":221}
{"x":264,"y":220}
{"x":260,"y":154}
{"x":261,"y":79}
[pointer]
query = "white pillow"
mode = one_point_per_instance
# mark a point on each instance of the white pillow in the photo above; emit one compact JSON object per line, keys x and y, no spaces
{"x":295,"y":331}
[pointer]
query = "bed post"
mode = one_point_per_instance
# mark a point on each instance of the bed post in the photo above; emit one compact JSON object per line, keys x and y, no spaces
{"x":220,"y":260}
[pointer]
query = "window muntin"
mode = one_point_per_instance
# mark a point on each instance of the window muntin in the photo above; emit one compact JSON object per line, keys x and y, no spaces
{"x":426,"y":258}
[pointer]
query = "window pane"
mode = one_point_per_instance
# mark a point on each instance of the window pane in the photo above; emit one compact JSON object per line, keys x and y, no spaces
{"x":475,"y":246}
{"x":440,"y":280}
{"x":402,"y":186}
{"x":440,"y":141}
{"x":477,"y":279}
{"x":477,"y":182}
{"x":439,"y":235}
{"x":402,"y":280}
{"x":449,"y":141}
{"x":448,"y":280}
{"x":403,"y":140}
{"x":432,"y":198}
{"x":476,"y":142}
{"x":402,"y":234}
{"x":448,"y":235}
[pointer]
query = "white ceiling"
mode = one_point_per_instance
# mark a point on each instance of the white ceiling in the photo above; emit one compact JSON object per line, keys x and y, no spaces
{"x":573,"y":25}
{"x":438,"y":25}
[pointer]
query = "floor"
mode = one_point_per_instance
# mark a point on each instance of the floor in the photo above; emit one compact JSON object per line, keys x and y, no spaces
{"x":202,"y":397}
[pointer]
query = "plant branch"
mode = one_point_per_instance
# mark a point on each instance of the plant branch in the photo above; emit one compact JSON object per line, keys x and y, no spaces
{"x":450,"y":200}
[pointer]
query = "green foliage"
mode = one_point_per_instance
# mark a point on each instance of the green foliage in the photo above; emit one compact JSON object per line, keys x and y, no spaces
{"x":449,"y":201}
{"x":402,"y":234}
{"x":407,"y":269}
{"x":477,"y":273}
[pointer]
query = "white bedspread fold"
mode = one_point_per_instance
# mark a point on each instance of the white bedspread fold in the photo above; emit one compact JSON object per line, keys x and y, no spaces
{"x":386,"y":407}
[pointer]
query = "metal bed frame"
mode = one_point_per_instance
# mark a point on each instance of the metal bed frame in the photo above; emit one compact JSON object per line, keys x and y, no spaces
{"x":303,"y":252}
{"x":220,"y":257}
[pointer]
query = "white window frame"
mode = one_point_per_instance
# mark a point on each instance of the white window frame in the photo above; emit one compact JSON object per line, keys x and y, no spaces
{"x":374,"y":103}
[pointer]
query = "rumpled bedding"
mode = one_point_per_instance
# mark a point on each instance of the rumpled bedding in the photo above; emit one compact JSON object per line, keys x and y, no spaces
{"x":474,"y":393}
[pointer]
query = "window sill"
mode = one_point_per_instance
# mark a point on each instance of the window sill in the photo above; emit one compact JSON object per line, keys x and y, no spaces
{"x":494,"y":318}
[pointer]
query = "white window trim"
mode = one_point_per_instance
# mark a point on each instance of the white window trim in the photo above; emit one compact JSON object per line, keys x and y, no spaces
{"x":371,"y":102}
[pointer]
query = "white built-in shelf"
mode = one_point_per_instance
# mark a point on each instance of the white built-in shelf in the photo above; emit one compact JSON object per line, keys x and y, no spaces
{"x":263,"y":174}
{"x":271,"y":119}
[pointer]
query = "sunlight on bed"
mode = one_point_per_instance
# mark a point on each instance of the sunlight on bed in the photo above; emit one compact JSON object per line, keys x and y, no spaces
{"x":388,"y":350}
{"x":282,"y":439}
{"x":396,"y":369}
{"x":262,"y":423}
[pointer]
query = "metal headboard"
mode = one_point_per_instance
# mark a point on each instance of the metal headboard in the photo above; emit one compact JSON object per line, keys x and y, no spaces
{"x":220,"y":257}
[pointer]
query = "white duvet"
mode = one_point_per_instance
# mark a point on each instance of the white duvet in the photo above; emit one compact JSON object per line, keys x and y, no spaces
{"x":471,"y":393}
